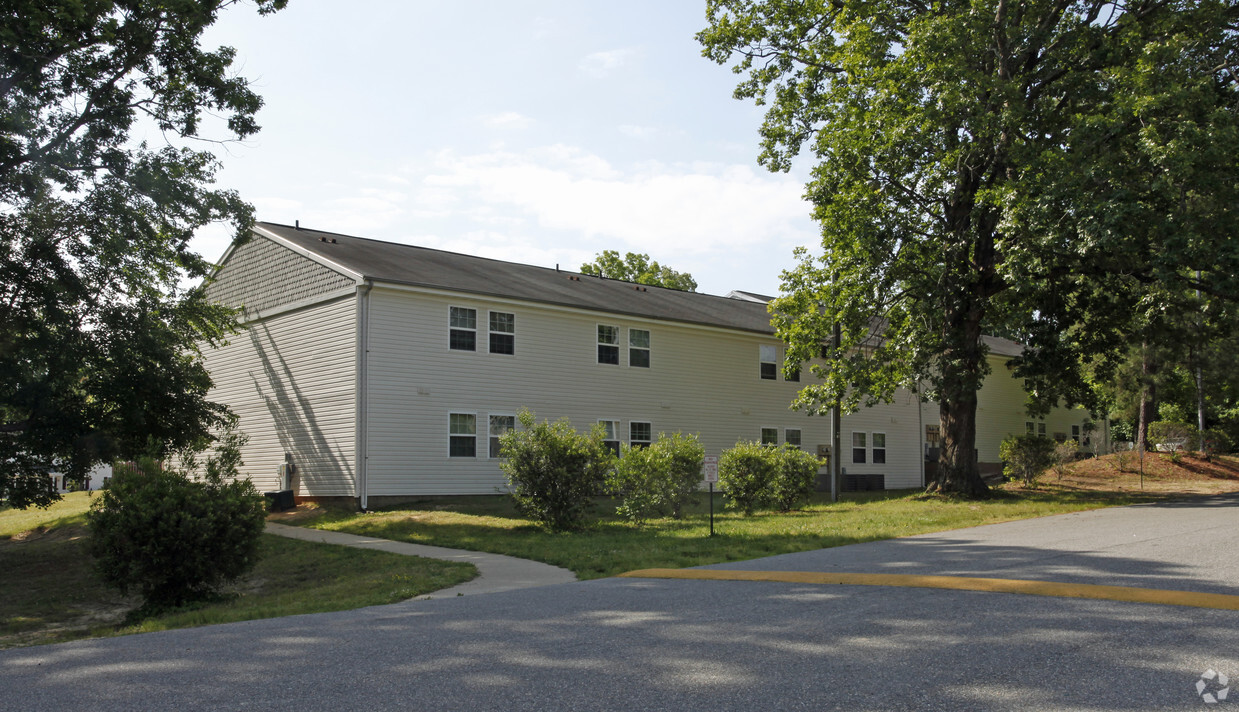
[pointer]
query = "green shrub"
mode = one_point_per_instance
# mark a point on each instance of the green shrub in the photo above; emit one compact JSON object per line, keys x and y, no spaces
{"x":1065,"y":453}
{"x":794,"y":478}
{"x":1215,"y":441}
{"x":1171,"y":435}
{"x":745,"y":475}
{"x":553,"y":470}
{"x":658,"y":480}
{"x":1026,"y":456}
{"x":176,"y":539}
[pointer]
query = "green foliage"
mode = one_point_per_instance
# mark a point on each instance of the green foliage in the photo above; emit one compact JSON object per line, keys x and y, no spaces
{"x":1065,"y":453}
{"x":1171,"y":436}
{"x":98,"y":339}
{"x":637,"y":268}
{"x":173,"y":538}
{"x":753,"y":475}
{"x":1214,"y":442}
{"x":1026,"y":456}
{"x":1031,"y":172}
{"x":659,"y":480}
{"x":553,"y":471}
{"x":795,"y":479}
{"x":745,"y":473}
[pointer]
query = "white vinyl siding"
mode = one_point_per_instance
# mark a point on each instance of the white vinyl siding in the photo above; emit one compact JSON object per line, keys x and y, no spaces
{"x":291,"y":379}
{"x":703,"y":384}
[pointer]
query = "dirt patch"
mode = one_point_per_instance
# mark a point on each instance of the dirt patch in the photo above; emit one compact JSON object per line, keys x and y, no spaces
{"x":1192,"y":474}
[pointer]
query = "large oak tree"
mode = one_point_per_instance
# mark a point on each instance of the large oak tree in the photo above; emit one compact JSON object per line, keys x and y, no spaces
{"x":1041,"y":170}
{"x":97,"y":339}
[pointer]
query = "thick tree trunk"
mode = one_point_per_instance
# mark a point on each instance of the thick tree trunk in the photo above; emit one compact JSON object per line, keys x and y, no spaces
{"x":961,"y":379}
{"x":1148,"y":397}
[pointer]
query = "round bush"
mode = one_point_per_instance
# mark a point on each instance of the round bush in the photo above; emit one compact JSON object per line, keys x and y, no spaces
{"x":745,"y":474}
{"x":795,"y":477}
{"x":174,"y":539}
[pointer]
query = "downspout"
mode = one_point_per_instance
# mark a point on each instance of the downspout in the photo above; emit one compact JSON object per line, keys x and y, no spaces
{"x":363,"y":390}
{"x":920,"y":429}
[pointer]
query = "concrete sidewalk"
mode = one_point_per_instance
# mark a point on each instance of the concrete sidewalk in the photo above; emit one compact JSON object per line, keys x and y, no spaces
{"x":496,"y":572}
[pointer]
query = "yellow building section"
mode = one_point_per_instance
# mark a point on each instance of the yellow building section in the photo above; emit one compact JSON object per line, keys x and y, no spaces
{"x":1128,"y":594}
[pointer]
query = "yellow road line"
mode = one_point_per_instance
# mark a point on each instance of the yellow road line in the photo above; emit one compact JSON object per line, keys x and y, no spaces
{"x":960,"y":583}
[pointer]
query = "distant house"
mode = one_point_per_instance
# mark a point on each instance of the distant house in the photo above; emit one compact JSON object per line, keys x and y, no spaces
{"x":383,"y":370}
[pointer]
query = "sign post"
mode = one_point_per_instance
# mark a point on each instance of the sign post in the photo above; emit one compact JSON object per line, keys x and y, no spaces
{"x":709,"y":468}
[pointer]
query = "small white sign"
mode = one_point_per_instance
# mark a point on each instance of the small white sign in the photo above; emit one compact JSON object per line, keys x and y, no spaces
{"x":710,"y":468}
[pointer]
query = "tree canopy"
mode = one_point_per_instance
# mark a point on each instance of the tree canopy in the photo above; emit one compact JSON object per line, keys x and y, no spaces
{"x":1052,"y":171}
{"x":638,"y":268}
{"x":98,"y":340}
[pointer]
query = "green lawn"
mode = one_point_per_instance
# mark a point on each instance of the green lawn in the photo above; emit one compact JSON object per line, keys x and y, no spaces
{"x":49,"y":591}
{"x":610,"y":546}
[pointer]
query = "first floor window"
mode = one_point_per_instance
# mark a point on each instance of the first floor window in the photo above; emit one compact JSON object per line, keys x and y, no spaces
{"x":769,"y":436}
{"x":608,"y":344}
{"x":462,"y":435}
{"x":639,"y":434}
{"x":879,"y":448}
{"x":464,"y":329}
{"x":859,"y":448}
{"x":499,"y":424}
{"x":769,"y":363}
{"x":609,"y":437}
{"x":791,"y":436}
{"x":502,"y":333}
{"x":638,"y":348}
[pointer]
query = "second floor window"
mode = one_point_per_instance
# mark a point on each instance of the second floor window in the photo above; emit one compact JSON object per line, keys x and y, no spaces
{"x":608,"y":344}
{"x":464,"y":329}
{"x":769,"y":363}
{"x":639,"y":348}
{"x":502,"y":333}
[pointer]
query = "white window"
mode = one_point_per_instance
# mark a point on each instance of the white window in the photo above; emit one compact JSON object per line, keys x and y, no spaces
{"x":769,"y":363}
{"x":502,"y":333}
{"x":639,"y":434}
{"x":860,"y":450}
{"x":609,"y":437}
{"x":499,"y":424}
{"x":769,"y":436}
{"x":879,"y":448}
{"x":608,"y":344}
{"x":639,"y":348}
{"x":462,"y":435}
{"x":791,"y":436}
{"x":464,"y":329}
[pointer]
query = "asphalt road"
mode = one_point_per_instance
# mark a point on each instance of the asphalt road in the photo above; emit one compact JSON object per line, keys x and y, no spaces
{"x":645,"y":644}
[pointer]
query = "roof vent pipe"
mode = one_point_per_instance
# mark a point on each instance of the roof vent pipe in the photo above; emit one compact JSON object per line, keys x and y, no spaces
{"x":296,"y":224}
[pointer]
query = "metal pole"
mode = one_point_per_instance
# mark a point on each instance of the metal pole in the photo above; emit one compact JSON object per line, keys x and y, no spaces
{"x":711,"y":509}
{"x":836,"y":450}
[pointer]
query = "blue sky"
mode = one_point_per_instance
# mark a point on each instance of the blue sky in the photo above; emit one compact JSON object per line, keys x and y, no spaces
{"x":538,"y":132}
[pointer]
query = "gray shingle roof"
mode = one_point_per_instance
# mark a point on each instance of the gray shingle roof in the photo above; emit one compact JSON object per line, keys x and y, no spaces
{"x":422,"y":267}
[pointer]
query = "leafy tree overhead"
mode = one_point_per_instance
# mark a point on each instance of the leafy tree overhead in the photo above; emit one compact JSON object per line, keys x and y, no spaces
{"x":639,"y":269}
{"x":97,"y":340}
{"x":1033,"y":169}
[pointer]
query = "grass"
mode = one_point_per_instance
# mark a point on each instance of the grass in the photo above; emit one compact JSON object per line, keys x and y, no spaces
{"x":610,"y":546}
{"x":49,"y":591}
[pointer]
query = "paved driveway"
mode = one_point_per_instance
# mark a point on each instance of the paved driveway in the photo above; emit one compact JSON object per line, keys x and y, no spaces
{"x":649,"y":644}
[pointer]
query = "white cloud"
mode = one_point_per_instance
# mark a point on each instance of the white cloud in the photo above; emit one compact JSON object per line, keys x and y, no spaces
{"x":507,"y":120}
{"x":656,"y":208}
{"x":600,"y":64}
{"x":639,"y":132}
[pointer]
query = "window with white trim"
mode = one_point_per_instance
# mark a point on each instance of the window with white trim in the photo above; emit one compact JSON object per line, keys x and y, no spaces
{"x":608,"y":344}
{"x":502,"y":333}
{"x":464,"y":329}
{"x":769,"y":362}
{"x":639,"y":434}
{"x":860,"y":448}
{"x":639,"y":348}
{"x":791,"y":436}
{"x":462,"y":435}
{"x":499,"y":424}
{"x":769,"y":436}
{"x":610,"y":438}
{"x":879,"y":448}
